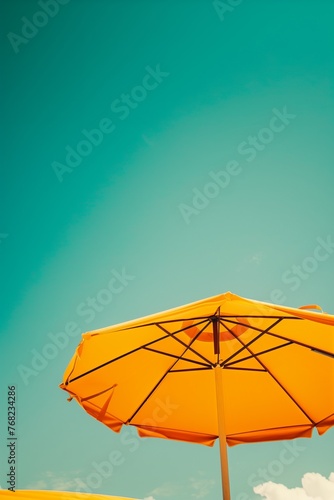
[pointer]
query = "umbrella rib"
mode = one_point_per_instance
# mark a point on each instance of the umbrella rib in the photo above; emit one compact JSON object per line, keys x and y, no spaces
{"x":187,"y":345}
{"x":177,"y":357}
{"x":273,"y":376}
{"x":92,"y":396}
{"x":201,"y":319}
{"x":183,"y":329}
{"x":244,"y":346}
{"x":324,"y":353}
{"x":114,"y":359}
{"x":205,"y":318}
{"x":258,"y":354}
{"x":266,"y":429}
{"x":165,"y":374}
{"x":302,"y":344}
{"x":135,"y":350}
{"x":246,"y":369}
{"x":240,"y":323}
{"x":258,"y":316}
{"x":251,"y":327}
{"x":190,"y":369}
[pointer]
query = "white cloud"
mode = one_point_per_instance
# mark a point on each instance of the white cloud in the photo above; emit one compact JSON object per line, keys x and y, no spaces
{"x":201,"y":486}
{"x":196,"y":487}
{"x":38,"y":485}
{"x":256,"y":258}
{"x":52,"y":481}
{"x":314,"y":487}
{"x":166,"y":490}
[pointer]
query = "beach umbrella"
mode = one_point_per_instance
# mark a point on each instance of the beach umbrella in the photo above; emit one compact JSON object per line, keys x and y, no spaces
{"x":224,"y":367}
{"x":54,"y":495}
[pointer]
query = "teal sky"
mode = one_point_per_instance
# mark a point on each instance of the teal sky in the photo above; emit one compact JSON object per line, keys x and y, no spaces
{"x":138,"y":204}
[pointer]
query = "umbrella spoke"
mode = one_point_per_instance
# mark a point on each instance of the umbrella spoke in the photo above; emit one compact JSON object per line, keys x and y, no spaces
{"x":169,"y":335}
{"x":201,"y":319}
{"x":231,"y":367}
{"x":190,"y":369}
{"x":228,"y":365}
{"x":177,"y":357}
{"x":204,"y":318}
{"x":247,"y":325}
{"x":319,"y":351}
{"x":244,"y":346}
{"x":113,"y":360}
{"x":184,"y":328}
{"x":259,"y":316}
{"x":302,"y":344}
{"x":268,"y":429}
{"x":254,"y":355}
{"x":187,"y":347}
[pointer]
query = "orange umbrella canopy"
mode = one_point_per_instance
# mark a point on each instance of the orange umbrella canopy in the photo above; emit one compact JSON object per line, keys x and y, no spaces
{"x":54,"y":495}
{"x":158,"y":373}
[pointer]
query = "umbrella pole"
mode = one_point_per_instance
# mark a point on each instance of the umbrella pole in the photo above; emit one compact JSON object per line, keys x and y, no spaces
{"x":222,"y":434}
